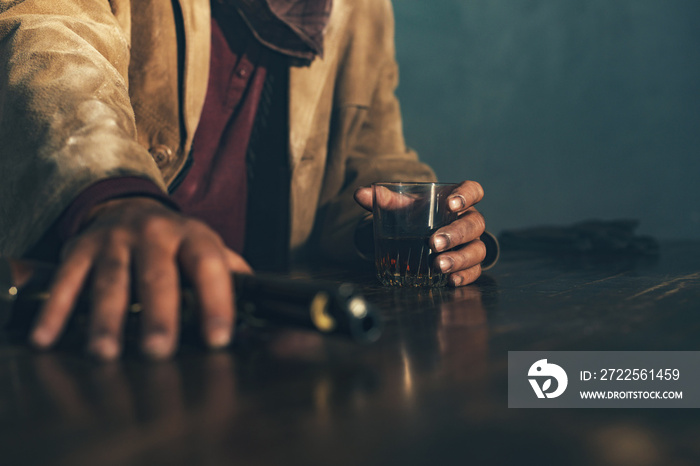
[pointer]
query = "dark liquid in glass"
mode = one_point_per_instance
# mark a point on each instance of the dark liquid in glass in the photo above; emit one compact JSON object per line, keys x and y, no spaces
{"x":407,"y":261}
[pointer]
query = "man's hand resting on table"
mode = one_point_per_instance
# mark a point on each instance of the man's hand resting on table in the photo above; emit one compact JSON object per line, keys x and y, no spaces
{"x":463,"y":250}
{"x":140,"y":241}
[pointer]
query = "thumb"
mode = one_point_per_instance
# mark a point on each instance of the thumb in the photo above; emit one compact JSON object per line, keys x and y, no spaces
{"x":236,"y":263}
{"x":363,"y":196}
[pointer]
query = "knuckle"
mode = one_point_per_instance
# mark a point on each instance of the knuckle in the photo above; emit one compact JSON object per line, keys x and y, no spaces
{"x":208,"y":264}
{"x":196,"y":226}
{"x":203,"y":232}
{"x":478,"y":190}
{"x":474,"y":273}
{"x":115,"y":237}
{"x":156,"y":227}
{"x":479,"y":251}
{"x":155,"y":278}
{"x":460,"y":236}
{"x":465,"y":277}
{"x":479,"y":222}
{"x":465,"y":230}
{"x":111,"y":265}
{"x":80,"y":247}
{"x":471,"y":274}
{"x":109,"y":272}
{"x":102,"y":285}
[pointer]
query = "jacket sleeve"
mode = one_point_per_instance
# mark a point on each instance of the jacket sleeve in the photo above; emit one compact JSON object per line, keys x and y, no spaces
{"x":377,"y":152}
{"x":66,"y":120}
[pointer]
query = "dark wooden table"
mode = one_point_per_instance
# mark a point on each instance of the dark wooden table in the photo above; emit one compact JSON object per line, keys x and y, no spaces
{"x":432,"y":390}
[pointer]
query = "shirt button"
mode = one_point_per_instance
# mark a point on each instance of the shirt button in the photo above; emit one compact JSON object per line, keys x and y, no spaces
{"x":162,"y":154}
{"x":242,"y":73}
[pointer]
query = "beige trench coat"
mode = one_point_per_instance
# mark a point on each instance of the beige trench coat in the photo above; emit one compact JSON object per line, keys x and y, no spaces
{"x":91,"y":89}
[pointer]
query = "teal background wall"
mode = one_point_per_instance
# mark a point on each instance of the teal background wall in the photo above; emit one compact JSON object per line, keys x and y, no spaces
{"x":563,"y":110}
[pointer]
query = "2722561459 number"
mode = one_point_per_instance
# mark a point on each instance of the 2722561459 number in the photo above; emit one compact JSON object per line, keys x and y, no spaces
{"x":639,"y":374}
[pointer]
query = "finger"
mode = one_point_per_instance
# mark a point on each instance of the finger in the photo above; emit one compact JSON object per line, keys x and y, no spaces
{"x":464,"y":196}
{"x":363,"y":196}
{"x":391,"y":200}
{"x":466,"y":228}
{"x":236,"y":263}
{"x":63,"y":295}
{"x":383,"y":197}
{"x":204,"y":264}
{"x":158,"y":288}
{"x":463,"y":258}
{"x":465,"y":277}
{"x":110,"y":298}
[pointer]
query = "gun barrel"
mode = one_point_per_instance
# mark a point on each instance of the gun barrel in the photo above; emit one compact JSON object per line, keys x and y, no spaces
{"x":326,"y":307}
{"x":261,"y":300}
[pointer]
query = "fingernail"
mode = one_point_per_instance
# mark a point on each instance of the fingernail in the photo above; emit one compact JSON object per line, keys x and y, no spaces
{"x":156,"y":346}
{"x":457,"y":280}
{"x":219,"y":334}
{"x":446,"y":264}
{"x":104,"y":347}
{"x":457,"y":203}
{"x":42,"y":337}
{"x":440,"y":242}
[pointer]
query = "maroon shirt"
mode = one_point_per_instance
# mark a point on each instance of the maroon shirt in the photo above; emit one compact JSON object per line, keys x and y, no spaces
{"x":215,"y":188}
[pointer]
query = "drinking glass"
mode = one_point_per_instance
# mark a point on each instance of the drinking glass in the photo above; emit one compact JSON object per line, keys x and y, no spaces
{"x":405,"y":216}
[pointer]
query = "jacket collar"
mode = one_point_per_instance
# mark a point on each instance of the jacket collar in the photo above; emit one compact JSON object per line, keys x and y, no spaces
{"x":292,"y":27}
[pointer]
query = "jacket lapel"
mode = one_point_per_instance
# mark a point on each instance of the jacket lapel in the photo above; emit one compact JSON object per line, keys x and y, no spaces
{"x":196,"y":18}
{"x":306,"y":84}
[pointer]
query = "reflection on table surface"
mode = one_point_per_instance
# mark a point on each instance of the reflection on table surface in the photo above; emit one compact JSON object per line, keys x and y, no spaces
{"x":432,"y":390}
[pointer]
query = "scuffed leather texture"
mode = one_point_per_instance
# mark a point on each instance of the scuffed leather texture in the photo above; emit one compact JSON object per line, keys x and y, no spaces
{"x":66,"y":119}
{"x":88,"y":87}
